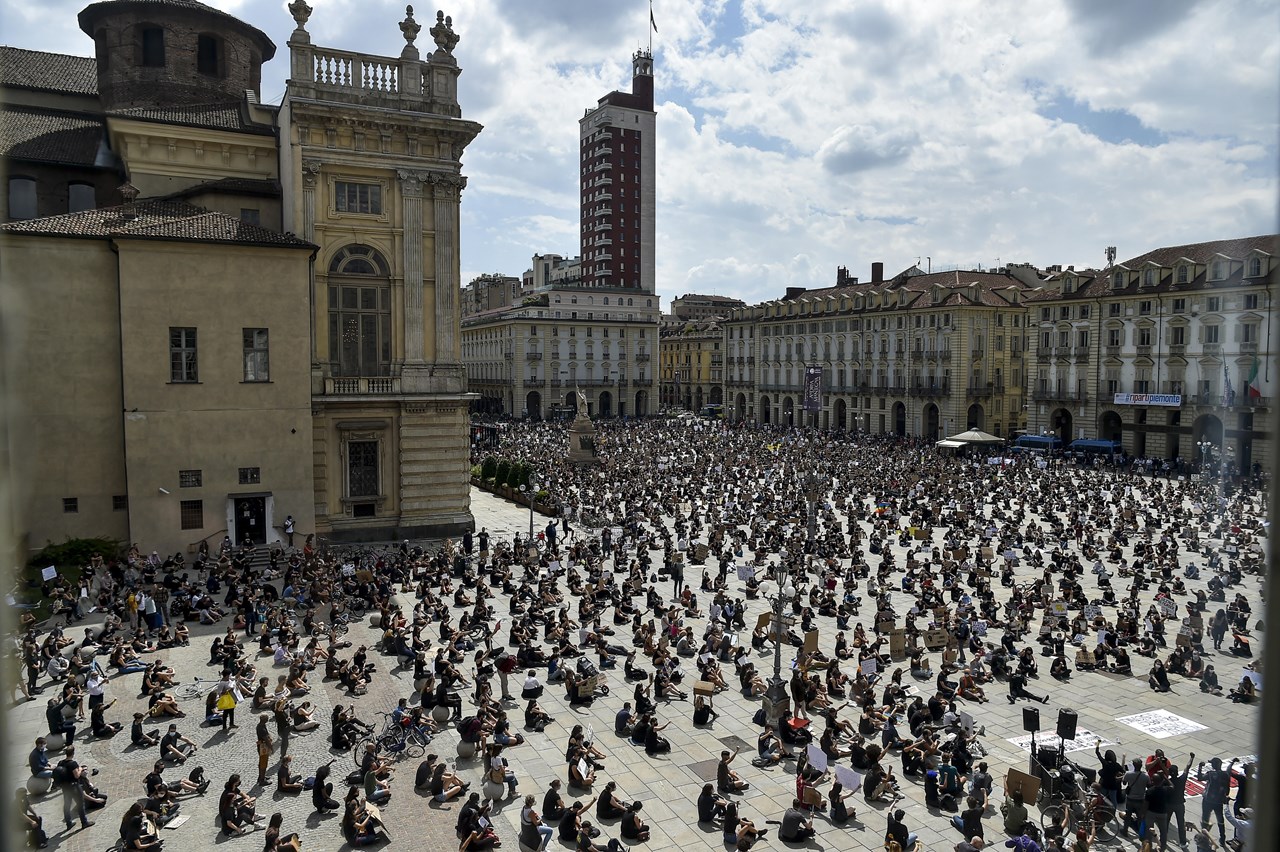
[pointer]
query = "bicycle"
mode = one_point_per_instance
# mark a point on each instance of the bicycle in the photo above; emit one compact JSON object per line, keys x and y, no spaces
{"x":198,"y":688}
{"x":1075,"y":807}
{"x":396,"y":741}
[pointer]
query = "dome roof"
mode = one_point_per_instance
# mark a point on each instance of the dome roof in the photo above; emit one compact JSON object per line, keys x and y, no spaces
{"x":92,"y":14}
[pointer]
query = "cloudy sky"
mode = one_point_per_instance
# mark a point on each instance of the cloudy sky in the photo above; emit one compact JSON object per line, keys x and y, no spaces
{"x":795,"y":136}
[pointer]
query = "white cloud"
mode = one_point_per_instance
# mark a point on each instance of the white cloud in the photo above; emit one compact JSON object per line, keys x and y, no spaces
{"x":795,"y":137}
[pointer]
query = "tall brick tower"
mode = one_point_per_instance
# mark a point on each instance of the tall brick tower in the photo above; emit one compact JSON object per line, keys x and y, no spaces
{"x":617,"y":165}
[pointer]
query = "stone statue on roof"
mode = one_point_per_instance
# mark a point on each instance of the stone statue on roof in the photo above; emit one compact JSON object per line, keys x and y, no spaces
{"x":442,"y":32}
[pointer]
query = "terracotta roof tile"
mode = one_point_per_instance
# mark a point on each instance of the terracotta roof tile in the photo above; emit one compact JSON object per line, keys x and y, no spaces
{"x":52,"y":72}
{"x":48,"y":136}
{"x":1094,"y":284}
{"x":157,"y":220}
{"x":217,"y":116}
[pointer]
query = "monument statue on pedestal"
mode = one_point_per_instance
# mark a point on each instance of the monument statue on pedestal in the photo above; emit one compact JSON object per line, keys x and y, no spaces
{"x":582,"y":434}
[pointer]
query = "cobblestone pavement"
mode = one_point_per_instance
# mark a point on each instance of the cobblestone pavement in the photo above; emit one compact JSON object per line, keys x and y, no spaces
{"x":667,"y":785}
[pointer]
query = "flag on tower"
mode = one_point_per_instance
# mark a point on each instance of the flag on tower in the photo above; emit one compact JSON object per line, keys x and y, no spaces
{"x":1254,"y":389}
{"x":652,"y":22}
{"x":1228,"y":392}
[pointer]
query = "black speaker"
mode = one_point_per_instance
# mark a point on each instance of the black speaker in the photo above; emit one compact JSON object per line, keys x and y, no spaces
{"x":1031,"y":719}
{"x":1067,"y":724}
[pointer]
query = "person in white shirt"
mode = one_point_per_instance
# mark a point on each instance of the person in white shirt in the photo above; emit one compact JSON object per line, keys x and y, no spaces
{"x":96,"y":686}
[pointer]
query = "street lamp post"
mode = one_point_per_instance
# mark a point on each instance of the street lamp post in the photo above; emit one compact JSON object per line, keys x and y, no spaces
{"x":776,"y":695}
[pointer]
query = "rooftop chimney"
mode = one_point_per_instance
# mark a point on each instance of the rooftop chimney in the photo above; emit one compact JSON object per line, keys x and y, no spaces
{"x":793,"y":292}
{"x":877,"y":272}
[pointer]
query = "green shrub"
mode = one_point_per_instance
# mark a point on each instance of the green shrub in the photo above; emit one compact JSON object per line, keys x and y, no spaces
{"x":503,"y":473}
{"x":488,"y":468}
{"x":519,"y":474}
{"x":75,"y":552}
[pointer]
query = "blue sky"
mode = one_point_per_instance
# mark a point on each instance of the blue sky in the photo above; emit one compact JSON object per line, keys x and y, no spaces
{"x":795,"y":137}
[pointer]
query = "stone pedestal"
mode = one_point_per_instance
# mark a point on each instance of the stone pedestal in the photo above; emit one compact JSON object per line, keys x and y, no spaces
{"x":582,"y":440}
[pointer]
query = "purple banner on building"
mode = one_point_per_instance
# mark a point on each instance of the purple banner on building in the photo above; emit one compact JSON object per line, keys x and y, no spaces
{"x":812,"y":388}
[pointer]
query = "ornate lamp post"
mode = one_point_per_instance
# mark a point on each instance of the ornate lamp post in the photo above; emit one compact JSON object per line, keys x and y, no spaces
{"x":775,"y":697}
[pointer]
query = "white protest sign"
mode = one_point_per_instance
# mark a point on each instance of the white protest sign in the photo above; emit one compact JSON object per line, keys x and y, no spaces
{"x":869,"y":666}
{"x":1168,"y":607}
{"x":1092,"y":611}
{"x":746,"y":572}
{"x":817,"y":758}
{"x":848,"y":778}
{"x":48,"y":573}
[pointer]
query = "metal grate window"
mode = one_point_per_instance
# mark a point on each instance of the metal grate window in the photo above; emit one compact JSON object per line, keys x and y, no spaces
{"x":190,"y":478}
{"x":70,"y":505}
{"x":250,"y":475}
{"x":120,"y":503}
{"x":362,"y":468}
{"x":192,"y":513}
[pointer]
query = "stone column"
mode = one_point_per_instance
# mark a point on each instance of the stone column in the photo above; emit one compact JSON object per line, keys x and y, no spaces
{"x":446,"y":191}
{"x":310,"y":177}
{"x":411,"y":195}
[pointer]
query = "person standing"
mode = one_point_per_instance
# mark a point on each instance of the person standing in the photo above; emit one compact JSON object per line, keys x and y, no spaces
{"x":264,"y":749}
{"x":150,"y":612}
{"x":288,"y":528}
{"x":227,"y":702}
{"x":1135,"y":798}
{"x":1160,"y":805}
{"x":96,"y":686}
{"x":68,"y":777}
{"x":1178,"y":798}
{"x":1217,"y":788}
{"x":283,"y":726}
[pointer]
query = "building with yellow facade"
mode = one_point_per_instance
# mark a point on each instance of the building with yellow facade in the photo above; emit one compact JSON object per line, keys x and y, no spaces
{"x":918,"y":354}
{"x":691,"y":356}
{"x":256,"y":306}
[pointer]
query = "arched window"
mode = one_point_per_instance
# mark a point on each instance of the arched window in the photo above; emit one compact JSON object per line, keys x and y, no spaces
{"x":1255,"y":267}
{"x":359,"y":313}
{"x":80,"y":196}
{"x":22,"y":197}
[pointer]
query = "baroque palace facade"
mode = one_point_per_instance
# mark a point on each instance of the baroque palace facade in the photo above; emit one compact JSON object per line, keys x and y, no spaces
{"x":1170,"y":353}
{"x":259,"y":302}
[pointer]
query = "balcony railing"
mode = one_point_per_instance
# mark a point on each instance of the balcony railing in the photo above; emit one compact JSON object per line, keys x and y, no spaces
{"x":1144,"y":350}
{"x":642,"y":356}
{"x":1043,"y":395}
{"x":979,"y":391}
{"x":1212,"y":348}
{"x":353,"y":386}
{"x":533,"y":356}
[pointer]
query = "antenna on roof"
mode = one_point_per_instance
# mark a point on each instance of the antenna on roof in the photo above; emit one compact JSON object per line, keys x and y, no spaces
{"x":1111,"y":256}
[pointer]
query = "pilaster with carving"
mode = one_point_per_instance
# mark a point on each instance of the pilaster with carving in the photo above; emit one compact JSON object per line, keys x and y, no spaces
{"x":446,"y":190}
{"x":310,"y":179}
{"x":414,"y":329}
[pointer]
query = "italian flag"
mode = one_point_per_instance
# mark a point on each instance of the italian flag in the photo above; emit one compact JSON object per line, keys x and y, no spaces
{"x":1254,"y":388}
